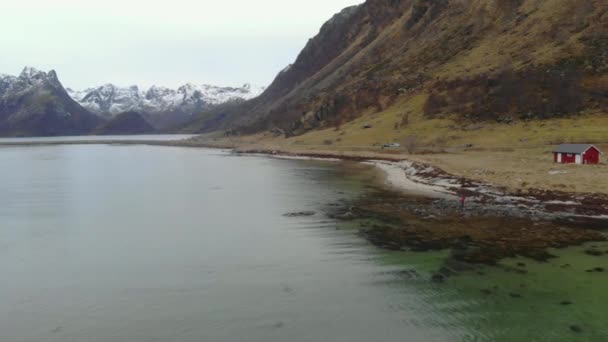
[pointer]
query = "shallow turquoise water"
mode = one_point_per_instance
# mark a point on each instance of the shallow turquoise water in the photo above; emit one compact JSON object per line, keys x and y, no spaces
{"x":542,"y":303}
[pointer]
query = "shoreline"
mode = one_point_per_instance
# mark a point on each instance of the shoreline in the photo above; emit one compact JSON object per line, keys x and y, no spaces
{"x":414,"y":178}
{"x":418,"y":179}
{"x":418,"y":208}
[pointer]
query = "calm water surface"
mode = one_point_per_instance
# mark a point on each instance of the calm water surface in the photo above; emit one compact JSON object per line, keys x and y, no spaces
{"x":144,"y":137}
{"x":141,"y":243}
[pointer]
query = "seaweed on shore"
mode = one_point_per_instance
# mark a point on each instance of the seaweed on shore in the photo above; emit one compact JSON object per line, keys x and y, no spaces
{"x":395,"y":221}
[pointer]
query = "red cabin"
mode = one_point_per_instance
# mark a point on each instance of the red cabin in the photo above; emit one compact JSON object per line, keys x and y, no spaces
{"x":577,"y":154}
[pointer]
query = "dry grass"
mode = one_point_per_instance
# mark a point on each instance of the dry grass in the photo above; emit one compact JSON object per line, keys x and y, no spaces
{"x":517,"y":155}
{"x":450,"y":133}
{"x":535,"y":41}
{"x":522,"y":169}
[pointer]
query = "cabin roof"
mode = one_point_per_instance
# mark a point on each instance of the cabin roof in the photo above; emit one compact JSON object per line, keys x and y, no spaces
{"x":574,"y":148}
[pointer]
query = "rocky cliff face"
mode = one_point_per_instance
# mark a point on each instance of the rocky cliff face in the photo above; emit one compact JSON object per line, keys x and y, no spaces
{"x":36,"y":104}
{"x":478,"y":60}
{"x":164,"y":107}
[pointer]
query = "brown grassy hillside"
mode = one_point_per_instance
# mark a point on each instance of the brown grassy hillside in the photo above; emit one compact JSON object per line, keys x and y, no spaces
{"x":470,"y":61}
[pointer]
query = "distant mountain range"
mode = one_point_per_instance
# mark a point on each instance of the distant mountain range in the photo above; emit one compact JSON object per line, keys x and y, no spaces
{"x":163,"y":107}
{"x":35,"y":103}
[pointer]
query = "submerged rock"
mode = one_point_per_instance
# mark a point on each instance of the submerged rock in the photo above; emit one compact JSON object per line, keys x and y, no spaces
{"x":576,"y":328}
{"x":411,"y":274}
{"x":438,"y":278}
{"x":594,"y":252}
{"x":422,"y":224}
{"x":300,"y":214}
{"x":347,"y":216}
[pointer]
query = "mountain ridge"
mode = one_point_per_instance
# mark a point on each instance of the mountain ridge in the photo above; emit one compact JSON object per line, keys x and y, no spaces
{"x":127,"y":123}
{"x":36,"y":104}
{"x":162,"y":106}
{"x":496,"y":60}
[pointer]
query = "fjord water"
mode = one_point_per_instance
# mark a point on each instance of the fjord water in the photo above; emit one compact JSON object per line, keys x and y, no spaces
{"x":89,"y":138}
{"x":142,"y":243}
{"x":139,"y":243}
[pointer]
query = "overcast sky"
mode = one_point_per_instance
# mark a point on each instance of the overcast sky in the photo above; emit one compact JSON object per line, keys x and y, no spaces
{"x":168,"y":43}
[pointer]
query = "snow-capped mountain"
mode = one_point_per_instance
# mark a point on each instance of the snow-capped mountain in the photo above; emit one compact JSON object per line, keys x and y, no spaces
{"x":29,"y":78}
{"x":35,"y":104}
{"x":111,"y":100}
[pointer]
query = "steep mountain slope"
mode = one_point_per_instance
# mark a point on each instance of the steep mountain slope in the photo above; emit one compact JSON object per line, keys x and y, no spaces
{"x":471,"y":60}
{"x":36,"y":104}
{"x":164,"y":107}
{"x":124,"y":124}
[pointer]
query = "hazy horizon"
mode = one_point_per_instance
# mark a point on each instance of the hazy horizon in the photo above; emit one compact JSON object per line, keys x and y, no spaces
{"x":134,"y":42}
